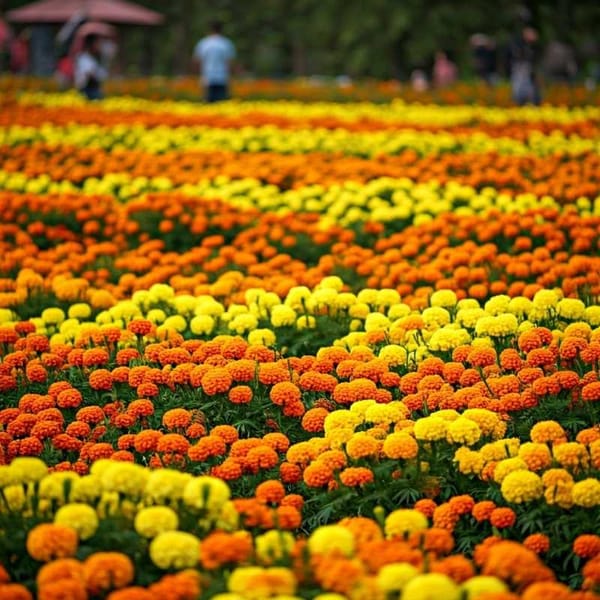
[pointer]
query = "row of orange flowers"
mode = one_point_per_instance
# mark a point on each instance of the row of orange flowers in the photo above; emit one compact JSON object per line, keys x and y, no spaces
{"x":563,"y":178}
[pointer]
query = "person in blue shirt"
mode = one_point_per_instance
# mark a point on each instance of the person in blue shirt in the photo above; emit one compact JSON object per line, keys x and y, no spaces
{"x":215,"y":53}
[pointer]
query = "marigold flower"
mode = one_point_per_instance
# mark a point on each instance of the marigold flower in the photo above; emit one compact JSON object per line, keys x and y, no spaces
{"x":587,"y":545}
{"x":586,"y":493}
{"x":331,"y":539}
{"x":104,"y":571}
{"x":221,"y":548}
{"x":49,"y":541}
{"x":270,"y":492}
{"x":80,"y":517}
{"x":431,"y":585}
{"x":356,"y":476}
{"x":317,"y":474}
{"x":404,"y":521}
{"x":151,"y":521}
{"x":538,"y":542}
{"x":502,"y":518}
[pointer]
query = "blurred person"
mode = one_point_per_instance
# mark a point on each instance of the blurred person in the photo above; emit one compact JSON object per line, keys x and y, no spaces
{"x":445,"y":72}
{"x":215,"y":54}
{"x":19,"y":53}
{"x":5,"y":37}
{"x":523,"y":61}
{"x":559,"y":62}
{"x":89,"y":72}
{"x":418,"y":80}
{"x":483,"y":53}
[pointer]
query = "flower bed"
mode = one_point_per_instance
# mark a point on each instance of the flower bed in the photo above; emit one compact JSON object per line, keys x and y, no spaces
{"x":257,"y":352}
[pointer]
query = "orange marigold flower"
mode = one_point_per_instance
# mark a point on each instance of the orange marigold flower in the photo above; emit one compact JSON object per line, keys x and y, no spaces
{"x":140,"y":408}
{"x":100,"y":450}
{"x":547,"y":431}
{"x":227,"y":433}
{"x":445,"y":517}
{"x":317,"y":474}
{"x":74,"y":589}
{"x":288,"y":516}
{"x":101,"y":380}
{"x":425,"y":506}
{"x":502,"y":518}
{"x":270,"y":492}
{"x":172,"y":443}
{"x":538,"y":542}
{"x":220,"y":548}
{"x":184,"y":585}
{"x":177,"y":418}
{"x":216,"y":381}
{"x":462,"y":504}
{"x":240,"y":394}
{"x":270,"y":373}
{"x":458,"y":568}
{"x":482,"y":357}
{"x":285,"y":392}
{"x":140,"y":326}
{"x":48,"y":541}
{"x":135,"y":592}
{"x":14,"y":591}
{"x":146,"y":440}
{"x":62,"y":568}
{"x":591,"y":392}
{"x":542,"y":590}
{"x":356,"y":476}
{"x":92,"y":415}
{"x":314,"y":419}
{"x":290,"y":473}
{"x":261,"y":457}
{"x":278,"y":441}
{"x":104,"y":571}
{"x":69,"y":398}
{"x":587,"y":545}
{"x":229,"y":470}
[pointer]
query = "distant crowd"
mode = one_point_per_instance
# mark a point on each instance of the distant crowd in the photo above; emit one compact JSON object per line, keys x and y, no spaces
{"x":85,"y":51}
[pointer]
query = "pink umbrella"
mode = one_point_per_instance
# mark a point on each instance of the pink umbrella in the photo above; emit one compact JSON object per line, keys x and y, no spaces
{"x":91,"y":28}
{"x":60,"y":11}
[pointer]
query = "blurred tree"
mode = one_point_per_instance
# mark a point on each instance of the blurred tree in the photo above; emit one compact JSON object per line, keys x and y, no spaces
{"x":381,"y":38}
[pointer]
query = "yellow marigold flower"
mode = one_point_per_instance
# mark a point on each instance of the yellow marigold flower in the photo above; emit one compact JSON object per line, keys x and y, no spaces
{"x":157,"y":316}
{"x":448,"y":337}
{"x":469,"y":461}
{"x":306,"y":322}
{"x":486,"y":419}
{"x":482,"y":584}
{"x":330,"y":596}
{"x":497,"y":304}
{"x":205,"y":492}
{"x":443,"y":298}
{"x":343,"y":419}
{"x":430,"y":586}
{"x":522,"y":486}
{"x":86,"y":489}
{"x":570,"y":309}
{"x":435,"y":317}
{"x":151,"y":521}
{"x":430,"y":429}
{"x":571,"y":455}
{"x":262,"y":336}
{"x":367,"y":295}
{"x":331,"y":538}
{"x":376,"y":322}
{"x":469,"y":317}
{"x":385,"y":414}
{"x":242,"y":323}
{"x":537,"y":456}
{"x":393,"y":577}
{"x":256,"y":583}
{"x":387,"y":297}
{"x":80,"y":310}
{"x":165,"y":485}
{"x":508,"y":465}
{"x":520,"y":306}
{"x":463,"y":431}
{"x":274,"y":545}
{"x":400,"y":445}
{"x":56,"y":486}
{"x":53,"y":316}
{"x":161,"y":292}
{"x":360,"y":310}
{"x":176,"y":322}
{"x":28,"y":469}
{"x":8,"y":476}
{"x":586,"y":493}
{"x":331,"y":282}
{"x":404,"y":521}
{"x":500,"y":449}
{"x":394,"y":355}
{"x":545,"y":299}
{"x":592,"y":315}
{"x":344,"y":300}
{"x":283,"y":316}
{"x":547,"y":431}
{"x":175,"y":550}
{"x":80,"y":517}
{"x":125,"y":478}
{"x":202,"y":325}
{"x":14,"y":496}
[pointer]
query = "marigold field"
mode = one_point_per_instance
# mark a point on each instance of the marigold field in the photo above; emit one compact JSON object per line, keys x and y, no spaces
{"x":296,"y":350}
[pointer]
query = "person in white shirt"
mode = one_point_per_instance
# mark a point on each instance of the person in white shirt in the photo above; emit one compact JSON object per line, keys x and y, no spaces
{"x":89,"y":72}
{"x":215,"y":54}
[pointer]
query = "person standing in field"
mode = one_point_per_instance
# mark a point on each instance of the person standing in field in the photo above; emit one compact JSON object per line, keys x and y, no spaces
{"x":89,"y":72}
{"x":215,"y":54}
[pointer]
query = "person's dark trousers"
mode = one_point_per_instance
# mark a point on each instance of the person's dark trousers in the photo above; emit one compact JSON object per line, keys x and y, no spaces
{"x":92,"y":92}
{"x":216,"y":92}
